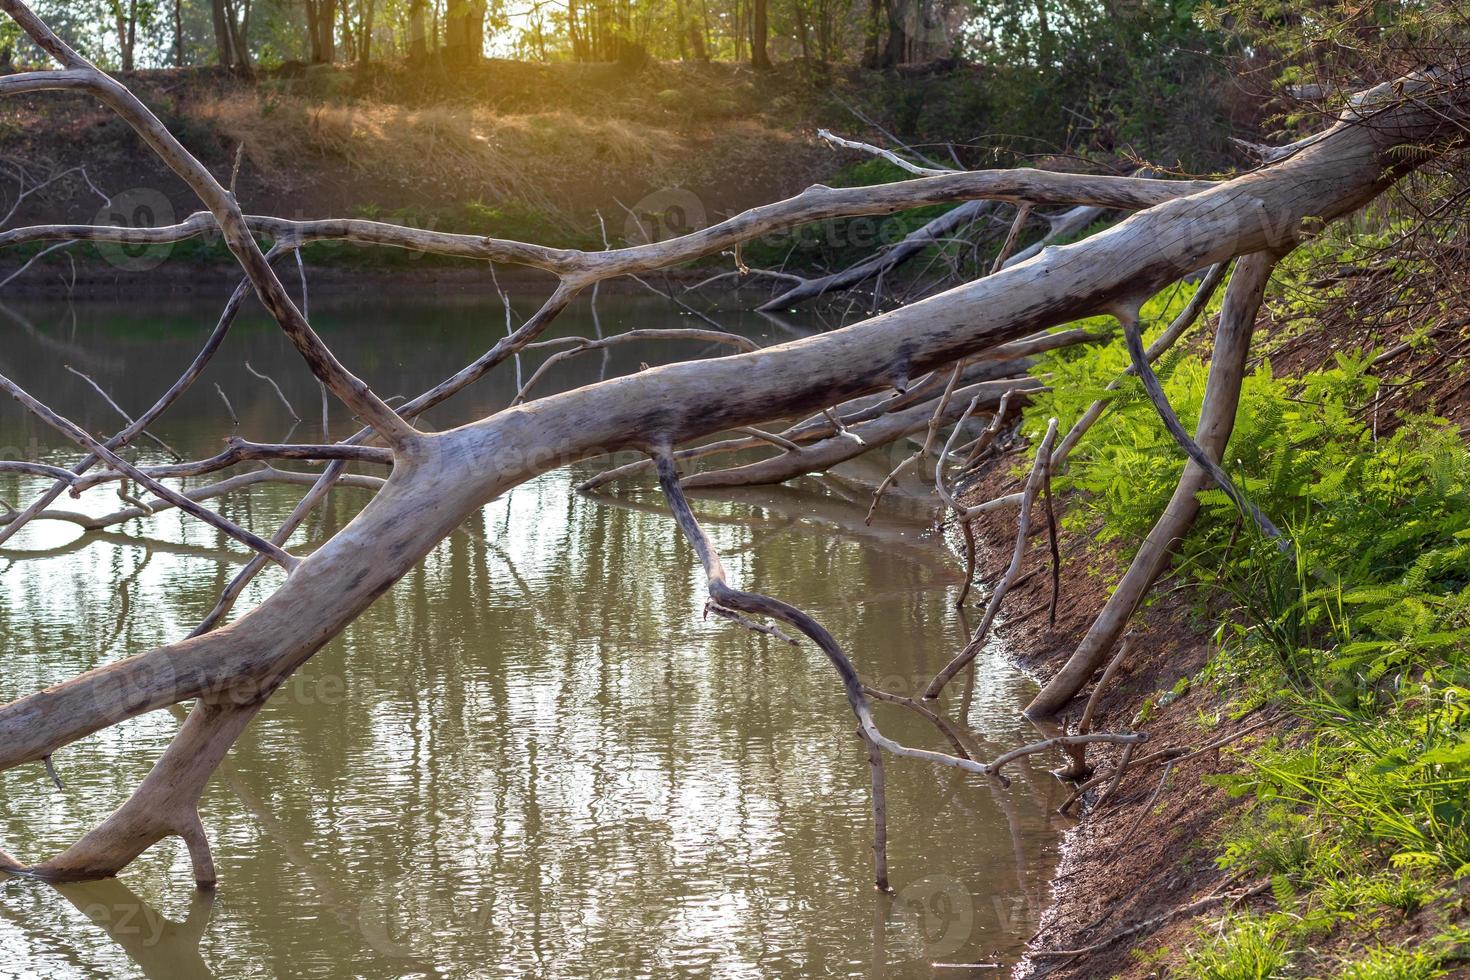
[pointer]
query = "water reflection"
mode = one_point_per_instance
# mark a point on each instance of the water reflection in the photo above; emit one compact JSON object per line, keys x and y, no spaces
{"x":159,"y":947}
{"x":533,"y":757}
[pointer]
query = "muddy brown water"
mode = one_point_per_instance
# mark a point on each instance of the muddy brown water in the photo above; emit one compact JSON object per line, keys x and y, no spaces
{"x":534,"y":757}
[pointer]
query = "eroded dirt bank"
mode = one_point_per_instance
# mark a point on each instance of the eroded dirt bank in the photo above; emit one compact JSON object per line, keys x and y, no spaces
{"x":1138,"y":857}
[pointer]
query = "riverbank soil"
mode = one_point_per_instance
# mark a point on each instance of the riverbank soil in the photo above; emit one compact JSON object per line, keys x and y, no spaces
{"x":1136,"y":857}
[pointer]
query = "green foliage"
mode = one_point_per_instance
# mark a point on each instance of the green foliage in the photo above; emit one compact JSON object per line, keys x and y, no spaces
{"x":1255,"y":949}
{"x":1423,"y":962}
{"x":1362,"y":815}
{"x":1390,"y":963}
{"x":1363,"y":628}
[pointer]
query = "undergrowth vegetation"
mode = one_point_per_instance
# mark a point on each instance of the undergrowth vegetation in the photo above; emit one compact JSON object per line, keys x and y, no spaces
{"x":1359,"y":809}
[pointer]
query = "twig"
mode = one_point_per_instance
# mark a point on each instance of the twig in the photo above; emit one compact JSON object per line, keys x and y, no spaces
{"x":128,"y":419}
{"x":888,"y":155}
{"x":935,"y":422}
{"x":80,"y":436}
{"x":1056,"y":551}
{"x":1187,"y":909}
{"x":1179,"y":754}
{"x":1186,"y":318}
{"x":235,"y":419}
{"x":1118,"y":774}
{"x":272,"y":382}
{"x":992,"y":607}
{"x":1186,"y":442}
{"x":750,"y":624}
{"x":32,"y":261}
{"x":1023,"y":214}
{"x":1079,"y":769}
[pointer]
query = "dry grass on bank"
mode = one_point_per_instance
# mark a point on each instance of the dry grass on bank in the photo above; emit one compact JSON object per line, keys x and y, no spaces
{"x":520,"y":158}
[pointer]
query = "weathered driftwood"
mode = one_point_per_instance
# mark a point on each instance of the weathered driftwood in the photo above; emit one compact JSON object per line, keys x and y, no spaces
{"x":438,"y":479}
{"x":936,"y":231}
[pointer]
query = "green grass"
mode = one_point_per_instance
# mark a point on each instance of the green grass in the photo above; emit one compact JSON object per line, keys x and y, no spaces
{"x":1255,"y":949}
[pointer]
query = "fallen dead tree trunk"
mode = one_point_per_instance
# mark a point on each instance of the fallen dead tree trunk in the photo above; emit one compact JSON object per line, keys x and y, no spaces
{"x":913,"y":243}
{"x":1004,"y":361}
{"x":937,"y":231}
{"x":858,"y":440}
{"x":439,"y":479}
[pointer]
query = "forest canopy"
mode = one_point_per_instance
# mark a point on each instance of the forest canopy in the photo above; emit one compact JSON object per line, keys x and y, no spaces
{"x":1057,"y":34}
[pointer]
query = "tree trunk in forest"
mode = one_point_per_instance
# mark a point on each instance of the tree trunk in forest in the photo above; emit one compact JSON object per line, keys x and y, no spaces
{"x":313,"y":32}
{"x":440,"y":478}
{"x":327,"y":25}
{"x":681,"y":35}
{"x":418,"y":50}
{"x":230,"y":34}
{"x":239,"y":26}
{"x":178,"y":33}
{"x":347,"y":44}
{"x":464,"y":32}
{"x":1047,"y":44}
{"x":803,"y":32}
{"x":365,"y":31}
{"x":223,"y":45}
{"x":896,"y":50}
{"x":700,"y":32}
{"x":126,"y":19}
{"x":873,"y":34}
{"x":574,"y":32}
{"x":759,"y":31}
{"x":456,"y":33}
{"x":479,"y":10}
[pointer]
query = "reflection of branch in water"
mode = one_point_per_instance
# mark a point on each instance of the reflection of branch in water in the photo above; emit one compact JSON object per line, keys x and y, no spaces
{"x":124,"y":540}
{"x":223,"y":488}
{"x":120,"y":539}
{"x":786,"y":326}
{"x":532,"y":606}
{"x":41,"y":935}
{"x":125,"y":601}
{"x":158,"y":946}
{"x":127,"y":419}
{"x":881,"y":906}
{"x":339,"y":904}
{"x":1007,"y":804}
{"x":799,"y":508}
{"x":74,"y":351}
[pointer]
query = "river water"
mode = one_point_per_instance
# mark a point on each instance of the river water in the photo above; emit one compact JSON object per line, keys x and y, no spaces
{"x":534,"y":757}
